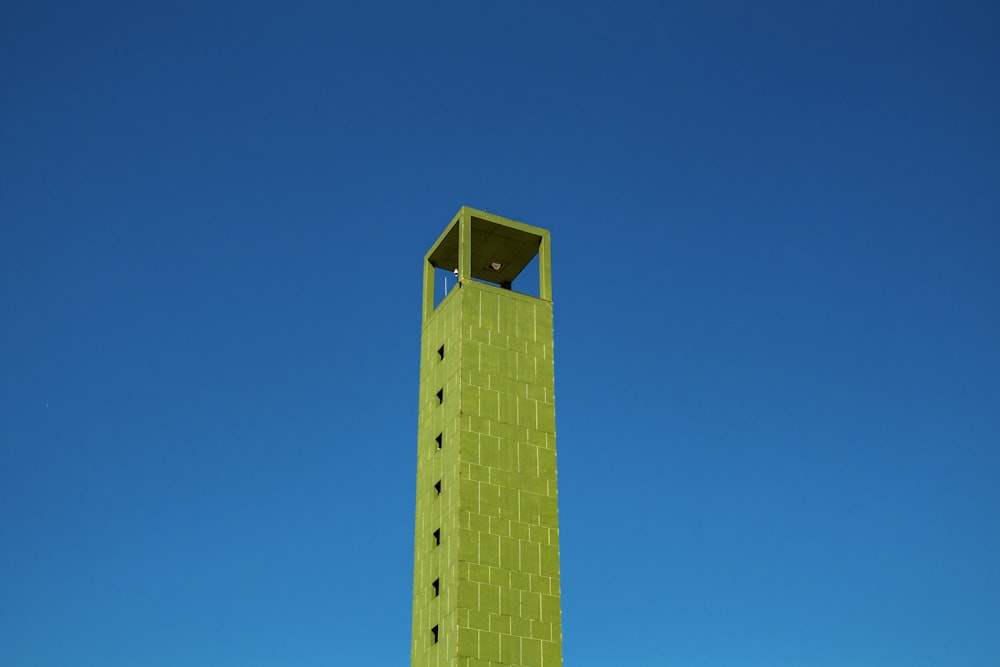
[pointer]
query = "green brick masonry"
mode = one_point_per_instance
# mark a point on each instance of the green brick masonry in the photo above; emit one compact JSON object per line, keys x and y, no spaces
{"x":486,"y":553}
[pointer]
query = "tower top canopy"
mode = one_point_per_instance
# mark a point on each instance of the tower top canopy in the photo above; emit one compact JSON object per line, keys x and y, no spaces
{"x":500,"y":248}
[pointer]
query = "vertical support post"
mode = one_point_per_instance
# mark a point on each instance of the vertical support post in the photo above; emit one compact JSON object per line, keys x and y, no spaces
{"x":464,"y":245}
{"x":545,"y":269}
{"x":428,"y":299}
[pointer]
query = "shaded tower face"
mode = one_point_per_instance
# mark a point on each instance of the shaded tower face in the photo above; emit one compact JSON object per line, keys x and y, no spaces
{"x":486,"y":553}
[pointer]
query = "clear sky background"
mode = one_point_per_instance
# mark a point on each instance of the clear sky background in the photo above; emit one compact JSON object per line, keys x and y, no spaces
{"x":776,"y":255}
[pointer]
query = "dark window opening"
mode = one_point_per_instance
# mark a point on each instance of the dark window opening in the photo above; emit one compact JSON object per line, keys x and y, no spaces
{"x":437,"y":537}
{"x":439,"y":439}
{"x":434,"y":635}
{"x":440,"y":396}
{"x":437,"y":487}
{"x":441,"y":352}
{"x":436,"y":585}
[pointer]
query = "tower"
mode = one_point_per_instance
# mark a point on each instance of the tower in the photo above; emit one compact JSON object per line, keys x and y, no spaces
{"x":486,"y":551}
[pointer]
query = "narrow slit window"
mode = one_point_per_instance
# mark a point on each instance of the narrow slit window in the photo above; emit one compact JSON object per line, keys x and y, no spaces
{"x":436,"y":586}
{"x":439,"y":439}
{"x":441,"y":352}
{"x":437,"y":487}
{"x":437,"y":537}
{"x":440,"y":396}
{"x":434,"y":635}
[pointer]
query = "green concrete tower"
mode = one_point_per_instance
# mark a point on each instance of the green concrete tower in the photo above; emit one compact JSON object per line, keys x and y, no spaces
{"x":486,"y":554}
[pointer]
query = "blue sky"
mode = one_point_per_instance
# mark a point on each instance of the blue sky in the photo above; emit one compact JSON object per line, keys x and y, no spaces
{"x":775,"y":248}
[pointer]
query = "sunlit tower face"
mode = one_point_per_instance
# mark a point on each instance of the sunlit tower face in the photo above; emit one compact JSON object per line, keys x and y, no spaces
{"x":486,"y":549}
